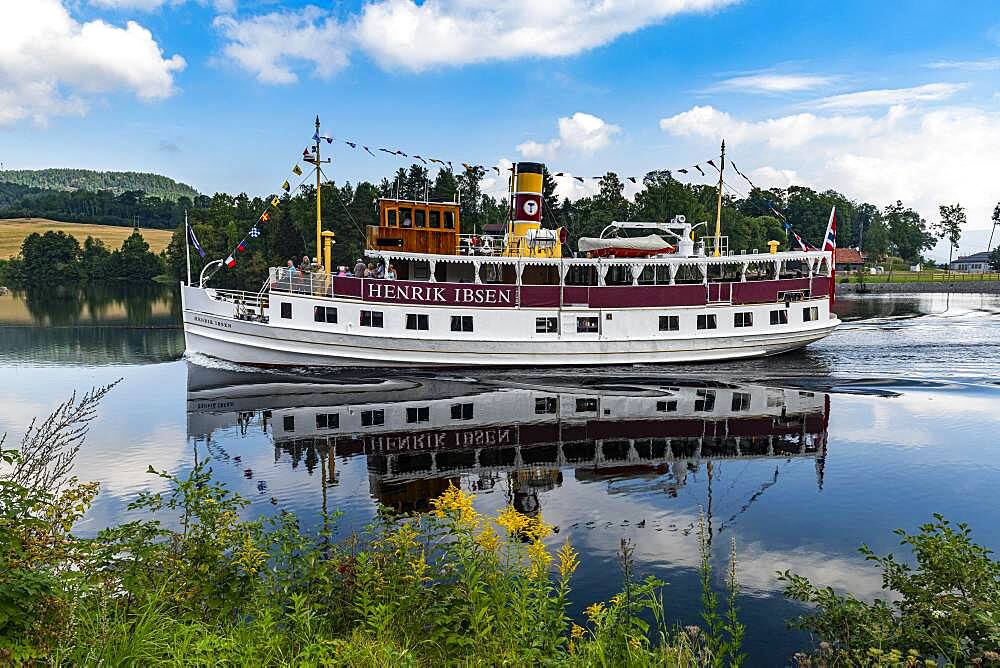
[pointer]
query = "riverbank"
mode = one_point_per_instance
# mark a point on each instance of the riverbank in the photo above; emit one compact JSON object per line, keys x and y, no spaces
{"x":920,"y":287}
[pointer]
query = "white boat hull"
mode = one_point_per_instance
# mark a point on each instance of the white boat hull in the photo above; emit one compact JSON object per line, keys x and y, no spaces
{"x":211,"y":329}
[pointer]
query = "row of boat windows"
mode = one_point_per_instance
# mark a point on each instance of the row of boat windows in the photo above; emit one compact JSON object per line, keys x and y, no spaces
{"x":704,"y":402}
{"x":547,"y":325}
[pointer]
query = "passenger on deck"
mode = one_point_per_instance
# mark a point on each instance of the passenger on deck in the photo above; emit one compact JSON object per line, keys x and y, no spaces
{"x":407,"y":222}
{"x":316,"y":266}
{"x":305,"y":266}
{"x":342,"y":271}
{"x":390,"y":273}
{"x":370,"y":271}
{"x":359,"y":268}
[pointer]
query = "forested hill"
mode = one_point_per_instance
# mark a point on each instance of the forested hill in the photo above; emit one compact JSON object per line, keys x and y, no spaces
{"x":153,"y":185}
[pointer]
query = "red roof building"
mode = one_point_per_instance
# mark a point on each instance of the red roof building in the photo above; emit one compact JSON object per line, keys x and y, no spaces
{"x":848,"y":259}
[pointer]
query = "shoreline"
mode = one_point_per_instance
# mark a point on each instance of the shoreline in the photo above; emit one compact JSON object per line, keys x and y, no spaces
{"x":919,"y":287}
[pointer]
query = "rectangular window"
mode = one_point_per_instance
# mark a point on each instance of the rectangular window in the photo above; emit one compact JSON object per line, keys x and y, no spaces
{"x":461,"y":323}
{"x":418,"y":414}
{"x":461,"y":411}
{"x":324,"y":314}
{"x":667,"y":406}
{"x":546,"y":325}
{"x":670,"y":323}
{"x":743,"y":319}
{"x":705,"y":400}
{"x":327,"y":420}
{"x":390,"y":217}
{"x":546,"y":405}
{"x":288,"y":423}
{"x":371,"y":318}
{"x":741,"y":401}
{"x":420,"y":218}
{"x":286,"y":310}
{"x":416,"y":321}
{"x":779,"y":317}
{"x":707,"y":321}
{"x":810,"y":313}
{"x":586,"y":405}
{"x":449,"y":220}
{"x":406,"y":217}
{"x":435,"y":219}
{"x":588,"y":325}
{"x":372,"y":418}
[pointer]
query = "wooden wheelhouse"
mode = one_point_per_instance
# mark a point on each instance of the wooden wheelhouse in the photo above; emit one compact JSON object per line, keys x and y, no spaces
{"x":416,"y":227}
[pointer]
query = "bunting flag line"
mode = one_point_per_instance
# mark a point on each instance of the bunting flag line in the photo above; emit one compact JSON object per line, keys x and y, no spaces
{"x":297,"y":170}
{"x":230,"y":261}
{"x":286,"y":186}
{"x":369,"y":151}
{"x":241,"y":246}
{"x":275,"y":201}
{"x":264,"y":217}
{"x":254,"y":232}
{"x":700,"y":170}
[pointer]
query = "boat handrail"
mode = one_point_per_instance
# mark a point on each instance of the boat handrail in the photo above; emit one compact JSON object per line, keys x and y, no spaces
{"x":314,"y":283}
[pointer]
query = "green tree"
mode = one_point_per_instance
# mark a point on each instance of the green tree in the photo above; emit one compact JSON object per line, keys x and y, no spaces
{"x":950,"y":226}
{"x":445,"y":188}
{"x":995,"y":259}
{"x":50,"y":258}
{"x":908,"y":234}
{"x":134,"y":261}
{"x":95,"y":259}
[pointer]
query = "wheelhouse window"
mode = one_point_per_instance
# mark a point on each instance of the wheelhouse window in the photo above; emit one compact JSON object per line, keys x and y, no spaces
{"x":546,"y":405}
{"x":586,"y":405}
{"x":741,"y":401}
{"x":324,"y":314}
{"x":372,"y":418}
{"x":810,"y":313}
{"x":707,"y":321}
{"x":418,"y":414}
{"x":546,"y":325}
{"x":286,"y":310}
{"x":670,"y":323}
{"x":327,"y":420}
{"x":420,"y":218}
{"x":588,"y":325}
{"x":390,"y":218}
{"x":449,"y":220}
{"x":461,"y":323}
{"x":416,"y":321}
{"x":704,"y":400}
{"x":406,"y":217}
{"x":779,"y":317}
{"x":371,"y":318}
{"x":434,"y":219}
{"x":743,"y":319}
{"x":461,"y":411}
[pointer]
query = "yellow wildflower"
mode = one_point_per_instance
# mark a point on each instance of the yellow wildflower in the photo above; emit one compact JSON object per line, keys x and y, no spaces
{"x":568,"y":560}
{"x":249,"y":556}
{"x":456,"y":503}
{"x":540,"y":558}
{"x":617,"y":599}
{"x":576,"y":632}
{"x":594,"y":610}
{"x":514,"y":522}
{"x":488,"y":539}
{"x":634,"y":643}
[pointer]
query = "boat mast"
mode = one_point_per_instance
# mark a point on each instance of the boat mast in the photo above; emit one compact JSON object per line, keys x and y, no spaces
{"x":718,"y":207}
{"x":319,"y":209}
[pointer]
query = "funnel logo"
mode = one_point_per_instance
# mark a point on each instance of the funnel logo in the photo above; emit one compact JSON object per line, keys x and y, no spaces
{"x":530,"y":208}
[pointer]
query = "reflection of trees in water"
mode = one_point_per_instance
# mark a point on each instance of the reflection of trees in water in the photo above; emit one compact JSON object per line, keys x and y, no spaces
{"x":90,"y":345}
{"x":63,"y":306}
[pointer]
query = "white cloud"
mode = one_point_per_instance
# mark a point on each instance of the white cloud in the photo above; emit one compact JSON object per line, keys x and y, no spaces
{"x":923,"y":157}
{"x":984,"y":65}
{"x":581,"y":132}
{"x":50,"y":63}
{"x":772,"y":177}
{"x":770,"y":82}
{"x":152,"y":5}
{"x":885,"y":97}
{"x":404,"y":34}
{"x":268,"y":45}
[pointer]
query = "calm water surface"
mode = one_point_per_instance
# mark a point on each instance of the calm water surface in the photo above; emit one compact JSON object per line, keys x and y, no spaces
{"x":799,"y":458}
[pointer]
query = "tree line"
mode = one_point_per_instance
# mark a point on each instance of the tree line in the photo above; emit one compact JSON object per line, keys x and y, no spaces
{"x":749,"y":220}
{"x":154,"y":185}
{"x":57,"y":258}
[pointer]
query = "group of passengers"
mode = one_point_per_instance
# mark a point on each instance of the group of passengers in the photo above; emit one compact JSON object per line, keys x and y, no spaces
{"x":361,"y":270}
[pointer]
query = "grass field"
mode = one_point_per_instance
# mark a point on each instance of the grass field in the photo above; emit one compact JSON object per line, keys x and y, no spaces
{"x":14,"y":230}
{"x":935,"y":276}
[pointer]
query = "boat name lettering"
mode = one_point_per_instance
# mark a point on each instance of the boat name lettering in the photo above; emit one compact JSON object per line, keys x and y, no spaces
{"x":213,"y":323}
{"x":439,"y":439}
{"x":406,"y":292}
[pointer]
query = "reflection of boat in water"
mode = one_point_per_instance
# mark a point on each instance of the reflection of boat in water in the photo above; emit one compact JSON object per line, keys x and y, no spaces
{"x":419,"y":434}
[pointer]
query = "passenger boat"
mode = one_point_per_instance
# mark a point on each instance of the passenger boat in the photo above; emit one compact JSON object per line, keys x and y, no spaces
{"x":522,"y":298}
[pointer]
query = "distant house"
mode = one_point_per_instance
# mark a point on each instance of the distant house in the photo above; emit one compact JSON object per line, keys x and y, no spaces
{"x":974,"y":262}
{"x":850,"y":259}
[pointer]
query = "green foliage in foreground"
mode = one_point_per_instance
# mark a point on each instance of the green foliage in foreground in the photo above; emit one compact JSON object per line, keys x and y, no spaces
{"x":948,"y":606}
{"x":451,"y":587}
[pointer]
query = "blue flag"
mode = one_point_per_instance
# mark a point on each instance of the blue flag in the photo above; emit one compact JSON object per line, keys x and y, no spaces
{"x":194,"y":240}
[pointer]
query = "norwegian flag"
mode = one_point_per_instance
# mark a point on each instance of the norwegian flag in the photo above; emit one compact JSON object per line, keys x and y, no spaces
{"x":830,"y":241}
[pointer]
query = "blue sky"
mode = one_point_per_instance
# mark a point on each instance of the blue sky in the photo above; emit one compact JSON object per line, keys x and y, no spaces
{"x":881,"y":100}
